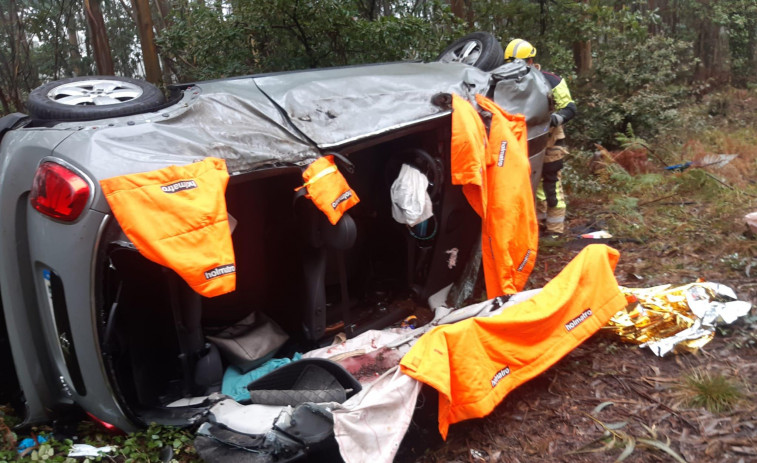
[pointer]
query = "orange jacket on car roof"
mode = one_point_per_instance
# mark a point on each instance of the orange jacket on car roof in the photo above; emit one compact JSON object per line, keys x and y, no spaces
{"x":177,"y":217}
{"x":494,"y":172}
{"x":510,"y":231}
{"x":468,"y":153}
{"x":328,"y":189}
{"x":475,"y":363}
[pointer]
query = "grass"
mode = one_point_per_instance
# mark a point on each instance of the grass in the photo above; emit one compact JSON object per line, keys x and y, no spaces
{"x":715,"y":393}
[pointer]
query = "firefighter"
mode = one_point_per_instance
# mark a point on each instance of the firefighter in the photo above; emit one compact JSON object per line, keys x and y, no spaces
{"x":550,"y":201}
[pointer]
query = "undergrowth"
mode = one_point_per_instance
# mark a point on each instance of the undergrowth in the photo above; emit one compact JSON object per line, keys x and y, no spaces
{"x":715,"y":393}
{"x":154,"y":444}
{"x":676,"y":193}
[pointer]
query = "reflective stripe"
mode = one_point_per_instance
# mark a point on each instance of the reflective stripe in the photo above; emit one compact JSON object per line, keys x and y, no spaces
{"x":540,"y":195}
{"x":561,"y":93}
{"x":515,"y":48}
{"x":560,"y":196}
{"x":321,"y":174}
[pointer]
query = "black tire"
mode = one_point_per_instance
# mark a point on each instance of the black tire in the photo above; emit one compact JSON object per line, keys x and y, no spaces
{"x":479,"y":49}
{"x":93,"y":97}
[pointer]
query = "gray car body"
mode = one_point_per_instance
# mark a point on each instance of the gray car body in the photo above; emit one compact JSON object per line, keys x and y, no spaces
{"x":251,"y":122}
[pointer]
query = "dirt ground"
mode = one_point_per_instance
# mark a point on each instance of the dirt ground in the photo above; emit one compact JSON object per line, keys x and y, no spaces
{"x":562,"y":415}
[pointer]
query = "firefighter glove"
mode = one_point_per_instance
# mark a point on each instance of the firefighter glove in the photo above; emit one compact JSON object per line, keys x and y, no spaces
{"x":556,"y":120}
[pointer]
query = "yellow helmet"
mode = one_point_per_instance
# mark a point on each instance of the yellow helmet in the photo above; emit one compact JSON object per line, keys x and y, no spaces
{"x":519,"y":48}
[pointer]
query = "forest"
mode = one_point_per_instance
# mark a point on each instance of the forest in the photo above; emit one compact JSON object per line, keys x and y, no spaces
{"x":627,"y":62}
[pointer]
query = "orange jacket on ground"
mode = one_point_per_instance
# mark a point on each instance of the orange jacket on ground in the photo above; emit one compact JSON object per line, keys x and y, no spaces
{"x":328,"y":189}
{"x":177,"y":217}
{"x":474,"y":363}
{"x":468,"y":153}
{"x":510,"y":232}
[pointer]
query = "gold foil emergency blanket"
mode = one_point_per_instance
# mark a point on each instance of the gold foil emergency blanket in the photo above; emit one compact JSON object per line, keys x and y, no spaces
{"x":680,"y":319}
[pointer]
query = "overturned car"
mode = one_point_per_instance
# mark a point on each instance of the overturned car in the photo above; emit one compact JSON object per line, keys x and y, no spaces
{"x":93,"y":323}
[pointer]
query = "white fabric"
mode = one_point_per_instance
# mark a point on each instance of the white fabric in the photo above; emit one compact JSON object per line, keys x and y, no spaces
{"x":370,"y":426}
{"x":362,"y":344}
{"x":411,"y":203}
{"x":247,"y":419}
{"x":439,"y":298}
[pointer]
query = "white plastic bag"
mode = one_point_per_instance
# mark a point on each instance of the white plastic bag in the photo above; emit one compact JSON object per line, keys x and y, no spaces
{"x":411,"y":203}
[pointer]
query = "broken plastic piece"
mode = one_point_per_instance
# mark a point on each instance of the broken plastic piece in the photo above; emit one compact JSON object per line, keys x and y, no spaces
{"x":679,"y":167}
{"x":597,"y":235}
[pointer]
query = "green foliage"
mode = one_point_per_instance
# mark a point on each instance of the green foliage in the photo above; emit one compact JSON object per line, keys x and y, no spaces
{"x":276,"y":35}
{"x":699,"y":182}
{"x":641,"y":84}
{"x":145,"y":446}
{"x":575,"y":175}
{"x":204,"y":44}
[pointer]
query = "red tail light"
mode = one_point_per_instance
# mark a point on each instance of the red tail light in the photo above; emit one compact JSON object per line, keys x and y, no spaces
{"x":111,"y":428}
{"x":59,"y":192}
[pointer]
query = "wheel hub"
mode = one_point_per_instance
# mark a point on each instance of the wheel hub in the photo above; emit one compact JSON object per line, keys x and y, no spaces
{"x":94,"y":92}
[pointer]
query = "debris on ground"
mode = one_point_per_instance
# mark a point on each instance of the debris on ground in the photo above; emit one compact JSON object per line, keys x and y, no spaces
{"x":678,"y":319}
{"x":595,"y":235}
{"x":751,"y":222}
{"x":89,"y":451}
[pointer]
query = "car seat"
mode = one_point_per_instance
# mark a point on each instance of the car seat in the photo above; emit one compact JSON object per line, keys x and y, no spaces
{"x":200,"y":361}
{"x":320,"y":240}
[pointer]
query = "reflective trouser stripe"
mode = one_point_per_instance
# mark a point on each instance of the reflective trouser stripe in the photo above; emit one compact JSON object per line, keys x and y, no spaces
{"x":552,"y":217}
{"x":542,"y":197}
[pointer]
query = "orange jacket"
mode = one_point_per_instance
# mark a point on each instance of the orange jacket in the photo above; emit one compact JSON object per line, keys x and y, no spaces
{"x":468,"y":153}
{"x":177,"y":217}
{"x":495,"y":174}
{"x":475,"y":363}
{"x":510,"y":232}
{"x":328,"y":189}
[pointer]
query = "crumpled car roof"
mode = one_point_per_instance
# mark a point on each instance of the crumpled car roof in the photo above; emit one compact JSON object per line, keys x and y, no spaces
{"x":335,"y":106}
{"x":278,"y":119}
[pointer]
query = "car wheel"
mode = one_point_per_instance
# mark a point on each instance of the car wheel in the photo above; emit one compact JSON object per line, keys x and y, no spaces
{"x":93,"y":97}
{"x":479,"y":49}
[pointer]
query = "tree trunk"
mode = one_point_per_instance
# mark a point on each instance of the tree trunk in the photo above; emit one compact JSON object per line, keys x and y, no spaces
{"x":74,"y":54}
{"x":582,"y":56}
{"x":164,"y":21}
{"x":543,"y":17}
{"x":164,"y":8}
{"x":17,"y":73}
{"x":4,"y":102}
{"x":463,"y":10}
{"x":100,"y":43}
{"x":147,"y":40}
{"x":712,"y":49}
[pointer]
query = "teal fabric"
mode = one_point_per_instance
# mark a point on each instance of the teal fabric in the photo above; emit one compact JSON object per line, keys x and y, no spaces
{"x":235,"y":381}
